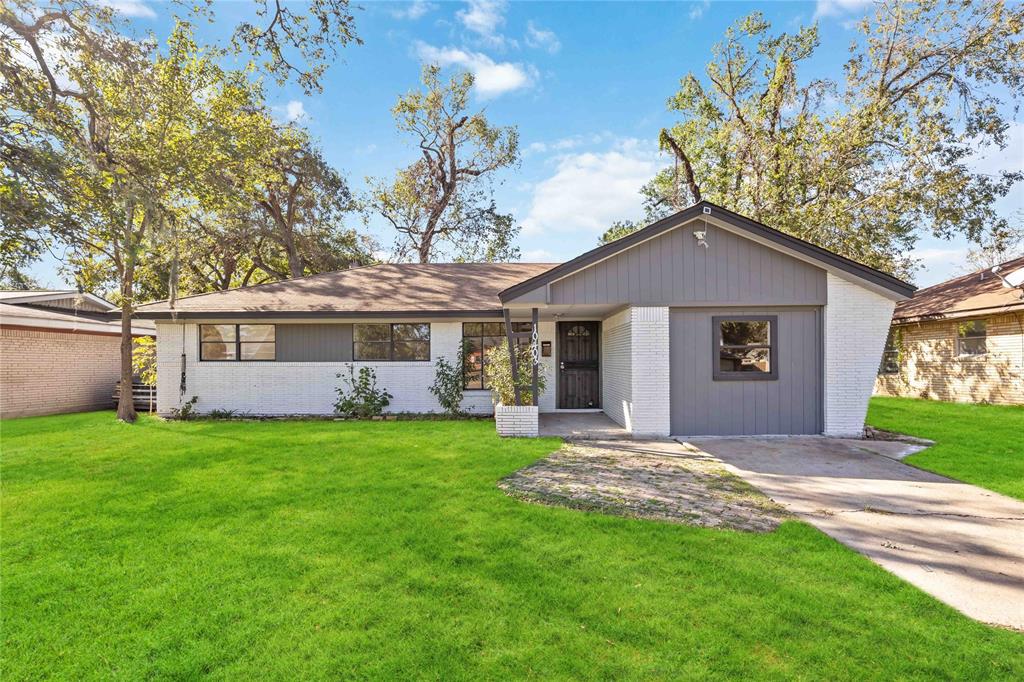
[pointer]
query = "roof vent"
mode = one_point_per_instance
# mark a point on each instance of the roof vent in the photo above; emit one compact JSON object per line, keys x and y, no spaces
{"x":707,"y":210}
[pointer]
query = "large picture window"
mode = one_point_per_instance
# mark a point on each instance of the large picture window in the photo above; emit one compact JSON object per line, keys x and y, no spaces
{"x":398,"y":342}
{"x":745,"y":348}
{"x":970,"y":338}
{"x":226,"y":342}
{"x":891,"y":354}
{"x":477,"y":339}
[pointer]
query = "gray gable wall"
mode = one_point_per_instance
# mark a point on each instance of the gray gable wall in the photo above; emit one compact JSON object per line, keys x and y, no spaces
{"x":674,"y":270}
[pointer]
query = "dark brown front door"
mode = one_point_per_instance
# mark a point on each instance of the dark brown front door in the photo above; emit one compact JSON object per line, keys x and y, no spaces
{"x":578,"y":365}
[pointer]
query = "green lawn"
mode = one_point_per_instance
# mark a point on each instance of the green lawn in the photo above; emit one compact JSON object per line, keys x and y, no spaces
{"x":979,"y":444}
{"x":313,"y":550}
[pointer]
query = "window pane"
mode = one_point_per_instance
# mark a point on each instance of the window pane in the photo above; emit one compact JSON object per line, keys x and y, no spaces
{"x":732,"y":359}
{"x":412,"y":350}
{"x":522,"y":327}
{"x":890,"y":362}
{"x":217,"y":351}
{"x":411,"y":332}
{"x":370,"y":350}
{"x":492,"y":329}
{"x":474,"y":380}
{"x":471,"y":329}
{"x":217,"y":332}
{"x":256,"y":332}
{"x":371,"y":332}
{"x":741,"y":333}
{"x":974,"y":328}
{"x":973,"y":346}
{"x":492,"y":342}
{"x":258,"y":351}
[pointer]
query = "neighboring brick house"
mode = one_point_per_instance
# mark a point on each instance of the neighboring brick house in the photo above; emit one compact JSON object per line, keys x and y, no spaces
{"x":705,"y":322}
{"x":959,"y":341}
{"x":59,"y":352}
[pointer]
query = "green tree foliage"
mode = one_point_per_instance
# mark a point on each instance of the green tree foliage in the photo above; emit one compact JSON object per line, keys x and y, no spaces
{"x":129,"y":156}
{"x":443,"y":200}
{"x":312,"y":34}
{"x":502,"y":380}
{"x":865,"y":166}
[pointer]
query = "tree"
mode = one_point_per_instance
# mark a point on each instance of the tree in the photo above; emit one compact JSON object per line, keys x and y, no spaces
{"x":863,"y":168}
{"x":998,"y":246}
{"x":109,"y":136}
{"x":332,"y":25}
{"x":444,"y":199}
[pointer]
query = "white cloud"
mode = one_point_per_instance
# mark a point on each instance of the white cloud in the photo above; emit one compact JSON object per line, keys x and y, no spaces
{"x":589,"y":191}
{"x":131,"y":8}
{"x":540,"y":38}
{"x":492,"y":78}
{"x":831,"y":8}
{"x":483,"y":16}
{"x":294,"y":110}
{"x":567,"y":143}
{"x":697,"y":9}
{"x":417,"y":9}
{"x":538,"y":256}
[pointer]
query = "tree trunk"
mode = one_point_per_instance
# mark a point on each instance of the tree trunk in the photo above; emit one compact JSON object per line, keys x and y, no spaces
{"x":126,"y":401}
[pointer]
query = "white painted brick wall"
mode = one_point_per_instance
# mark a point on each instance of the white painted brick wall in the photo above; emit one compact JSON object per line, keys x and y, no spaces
{"x":856,"y":324}
{"x":517,"y":421}
{"x":278,"y":388}
{"x":616,"y":368}
{"x":649,"y":330}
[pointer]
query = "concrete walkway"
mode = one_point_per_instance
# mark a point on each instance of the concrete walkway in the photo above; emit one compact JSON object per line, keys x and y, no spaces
{"x":962,"y":544}
{"x":581,"y":426}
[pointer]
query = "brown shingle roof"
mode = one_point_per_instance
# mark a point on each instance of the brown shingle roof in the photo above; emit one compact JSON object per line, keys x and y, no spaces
{"x":977,"y":293}
{"x":406,"y":287}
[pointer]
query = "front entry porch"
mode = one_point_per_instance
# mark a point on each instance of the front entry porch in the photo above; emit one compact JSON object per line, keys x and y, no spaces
{"x":581,"y":426}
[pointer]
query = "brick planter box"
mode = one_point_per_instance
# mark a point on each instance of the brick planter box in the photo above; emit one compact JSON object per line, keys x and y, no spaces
{"x":517,"y":421}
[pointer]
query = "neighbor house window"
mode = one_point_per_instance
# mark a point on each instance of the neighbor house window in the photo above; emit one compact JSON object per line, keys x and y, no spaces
{"x":398,"y":342}
{"x":477,"y":339}
{"x":219,"y":342}
{"x":970,"y":338}
{"x":891,"y":355}
{"x":745,"y":347}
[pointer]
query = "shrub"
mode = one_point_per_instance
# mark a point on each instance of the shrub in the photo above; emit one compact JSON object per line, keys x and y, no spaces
{"x":449,"y":381}
{"x":187,"y":410}
{"x":361,"y":398}
{"x":501,"y":380}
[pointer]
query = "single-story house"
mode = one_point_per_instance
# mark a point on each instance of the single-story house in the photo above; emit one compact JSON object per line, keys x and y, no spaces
{"x":704,"y":322}
{"x":59,"y":352}
{"x":961,"y":340}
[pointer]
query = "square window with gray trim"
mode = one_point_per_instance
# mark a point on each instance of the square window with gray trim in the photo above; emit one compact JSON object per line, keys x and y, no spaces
{"x":971,"y":338}
{"x":745,"y":348}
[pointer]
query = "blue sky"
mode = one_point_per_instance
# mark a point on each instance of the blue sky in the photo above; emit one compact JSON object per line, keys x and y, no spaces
{"x":585,"y":82}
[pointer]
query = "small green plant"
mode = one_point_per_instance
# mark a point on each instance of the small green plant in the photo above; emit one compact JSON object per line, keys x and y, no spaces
{"x":187,"y":410}
{"x":501,"y":379}
{"x":221,"y":414}
{"x":359,"y":395}
{"x":449,"y":381}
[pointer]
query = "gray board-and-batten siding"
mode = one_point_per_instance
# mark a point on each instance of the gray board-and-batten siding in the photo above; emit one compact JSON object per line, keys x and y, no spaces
{"x":675,"y":270}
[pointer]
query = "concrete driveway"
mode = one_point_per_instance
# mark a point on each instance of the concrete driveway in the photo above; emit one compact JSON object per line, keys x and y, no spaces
{"x":962,"y":544}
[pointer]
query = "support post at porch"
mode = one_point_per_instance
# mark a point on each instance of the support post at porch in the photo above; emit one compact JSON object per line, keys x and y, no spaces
{"x":535,"y":354}
{"x":512,"y":356}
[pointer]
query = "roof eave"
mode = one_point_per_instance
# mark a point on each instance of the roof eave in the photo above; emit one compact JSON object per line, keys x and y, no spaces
{"x":309,"y":314}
